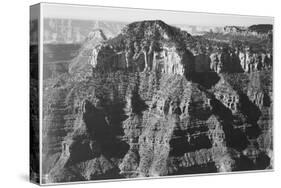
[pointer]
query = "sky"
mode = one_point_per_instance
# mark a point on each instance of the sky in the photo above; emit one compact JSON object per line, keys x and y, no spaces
{"x":82,"y":12}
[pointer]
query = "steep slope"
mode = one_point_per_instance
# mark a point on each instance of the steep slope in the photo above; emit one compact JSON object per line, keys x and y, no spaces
{"x":138,"y":111}
{"x":81,"y":64}
{"x":146,"y":46}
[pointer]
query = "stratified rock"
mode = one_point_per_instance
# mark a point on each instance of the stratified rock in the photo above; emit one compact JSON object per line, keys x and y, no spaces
{"x":81,"y":65}
{"x":139,"y":111}
{"x":146,"y":46}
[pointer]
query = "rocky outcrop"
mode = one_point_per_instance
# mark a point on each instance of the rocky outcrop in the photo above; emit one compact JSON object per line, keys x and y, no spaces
{"x":130,"y":130}
{"x":80,"y":67}
{"x":240,"y":61}
{"x":251,"y":62}
{"x":140,"y":113}
{"x":158,"y":50}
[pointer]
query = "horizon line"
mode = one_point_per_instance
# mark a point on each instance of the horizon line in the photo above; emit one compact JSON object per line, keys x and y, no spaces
{"x":172,"y":17}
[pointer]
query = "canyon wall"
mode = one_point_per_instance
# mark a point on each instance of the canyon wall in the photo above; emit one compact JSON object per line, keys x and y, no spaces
{"x":148,"y":107}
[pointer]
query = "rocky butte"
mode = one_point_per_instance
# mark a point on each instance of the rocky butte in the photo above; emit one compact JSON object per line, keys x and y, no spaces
{"x":143,"y":105}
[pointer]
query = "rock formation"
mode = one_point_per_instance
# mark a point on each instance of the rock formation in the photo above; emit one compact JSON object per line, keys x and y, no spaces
{"x":140,"y":112}
{"x":152,"y":46}
{"x":81,"y":65}
{"x":240,"y":61}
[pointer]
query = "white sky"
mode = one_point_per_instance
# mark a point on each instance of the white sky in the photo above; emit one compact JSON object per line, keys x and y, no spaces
{"x":83,"y":12}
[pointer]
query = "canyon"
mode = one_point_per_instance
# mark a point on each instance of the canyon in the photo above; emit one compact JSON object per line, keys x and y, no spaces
{"x":146,"y":103}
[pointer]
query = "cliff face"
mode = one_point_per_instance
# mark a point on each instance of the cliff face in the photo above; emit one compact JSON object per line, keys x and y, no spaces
{"x":240,"y":61}
{"x":80,"y":67}
{"x":145,"y":46}
{"x":142,"y":113}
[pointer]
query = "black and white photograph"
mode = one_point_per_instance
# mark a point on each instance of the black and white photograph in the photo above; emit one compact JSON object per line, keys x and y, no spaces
{"x":140,"y":94}
{"x":120,"y":93}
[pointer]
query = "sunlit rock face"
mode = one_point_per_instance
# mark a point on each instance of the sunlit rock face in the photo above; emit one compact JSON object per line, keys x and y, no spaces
{"x":160,"y":50}
{"x":240,"y":61}
{"x":225,"y":61}
{"x":251,"y":62}
{"x":140,"y":112}
{"x":80,"y":66}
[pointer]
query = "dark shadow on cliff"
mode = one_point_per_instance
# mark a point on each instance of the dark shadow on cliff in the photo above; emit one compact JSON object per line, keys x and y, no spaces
{"x":206,"y":79}
{"x":252,"y":113}
{"x":234,"y":66}
{"x":106,"y":129}
{"x":266,"y":100}
{"x":180,"y":144}
{"x":235,"y":138}
{"x":243,"y":163}
{"x":138,"y":104}
{"x":262,"y":161}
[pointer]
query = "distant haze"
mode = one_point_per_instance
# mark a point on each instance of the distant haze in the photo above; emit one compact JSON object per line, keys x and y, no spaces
{"x":80,"y":12}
